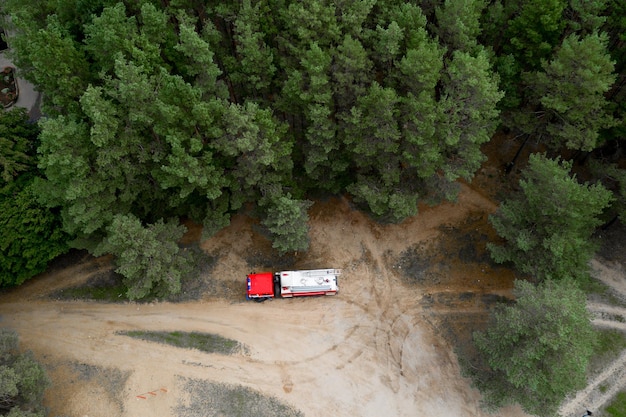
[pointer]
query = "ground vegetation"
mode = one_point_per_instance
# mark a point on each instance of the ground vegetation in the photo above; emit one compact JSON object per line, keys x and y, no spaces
{"x":159,"y":113}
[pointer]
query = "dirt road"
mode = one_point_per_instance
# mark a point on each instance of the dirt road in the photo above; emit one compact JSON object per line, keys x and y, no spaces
{"x":373,"y":350}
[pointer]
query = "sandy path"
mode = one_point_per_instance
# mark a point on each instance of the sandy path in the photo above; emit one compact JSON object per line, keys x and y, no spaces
{"x":612,"y":274}
{"x":599,"y":391}
{"x":608,"y":316}
{"x":370,"y":351}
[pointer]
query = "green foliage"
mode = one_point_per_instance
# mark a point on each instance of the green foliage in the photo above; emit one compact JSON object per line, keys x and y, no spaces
{"x":610,"y":343}
{"x":147,"y":256}
{"x":535,"y":30}
{"x":31,"y":234}
{"x":18,"y":143}
{"x":286,"y":219}
{"x":458,"y":23}
{"x":16,"y":412}
{"x":255,"y":56}
{"x":547,"y":226}
{"x":614,"y":179}
{"x":51,"y":60}
{"x":617,"y":407}
{"x":586,"y":16}
{"x":571,"y":90}
{"x":22,"y":379}
{"x":467,"y":113}
{"x":195,"y":110}
{"x":537,"y":349}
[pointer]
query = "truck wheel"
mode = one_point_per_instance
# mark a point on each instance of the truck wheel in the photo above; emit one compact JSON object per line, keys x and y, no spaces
{"x":276,"y":289}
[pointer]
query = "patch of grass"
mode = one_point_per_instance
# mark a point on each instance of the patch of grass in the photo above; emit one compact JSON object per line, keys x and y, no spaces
{"x":104,"y":287}
{"x":617,"y":408}
{"x":210,"y":399}
{"x":609,"y":345}
{"x":112,"y":380}
{"x":110,"y":294}
{"x":205,"y":342}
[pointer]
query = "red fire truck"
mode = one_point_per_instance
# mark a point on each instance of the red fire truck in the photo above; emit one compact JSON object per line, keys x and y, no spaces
{"x":285,"y":284}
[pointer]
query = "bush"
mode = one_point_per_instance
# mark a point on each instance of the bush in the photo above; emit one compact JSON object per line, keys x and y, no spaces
{"x":22,"y":379}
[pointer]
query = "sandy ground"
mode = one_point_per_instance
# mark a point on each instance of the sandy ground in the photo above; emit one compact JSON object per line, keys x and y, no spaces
{"x":376,"y":349}
{"x":370,"y":351}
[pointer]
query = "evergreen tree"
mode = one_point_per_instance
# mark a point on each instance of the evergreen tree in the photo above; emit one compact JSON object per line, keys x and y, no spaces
{"x":322,"y":146}
{"x":373,"y":137}
{"x":193,"y":109}
{"x":147,"y":256}
{"x":547,"y":226}
{"x":30,"y":234}
{"x":571,"y":90}
{"x":286,"y":219}
{"x":255,"y":57}
{"x":18,"y":144}
{"x":537,"y":350}
{"x":467,"y":113}
{"x":49,"y":58}
{"x":534,"y":30}
{"x":458,"y":23}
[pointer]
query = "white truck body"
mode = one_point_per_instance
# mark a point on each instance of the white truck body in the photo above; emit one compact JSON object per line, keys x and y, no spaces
{"x":309,"y":282}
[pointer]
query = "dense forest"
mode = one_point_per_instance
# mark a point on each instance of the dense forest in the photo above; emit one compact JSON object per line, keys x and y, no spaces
{"x":157,"y":111}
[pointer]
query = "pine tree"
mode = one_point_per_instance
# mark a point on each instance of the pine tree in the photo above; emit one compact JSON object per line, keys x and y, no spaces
{"x":538,"y":349}
{"x":571,"y":91}
{"x":148,"y":257}
{"x":547,"y":227}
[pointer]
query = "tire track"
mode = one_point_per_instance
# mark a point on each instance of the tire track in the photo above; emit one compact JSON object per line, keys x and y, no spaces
{"x":599,"y":391}
{"x":601,"y":310}
{"x":608,"y":316}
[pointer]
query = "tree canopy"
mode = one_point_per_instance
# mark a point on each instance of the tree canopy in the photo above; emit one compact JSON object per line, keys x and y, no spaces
{"x":538,"y":349}
{"x":31,"y":234}
{"x":547,"y":225}
{"x":163,"y":110}
{"x":159,"y":112}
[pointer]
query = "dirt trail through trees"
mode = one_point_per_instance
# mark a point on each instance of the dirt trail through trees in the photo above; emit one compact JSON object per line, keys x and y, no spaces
{"x":377,"y":348}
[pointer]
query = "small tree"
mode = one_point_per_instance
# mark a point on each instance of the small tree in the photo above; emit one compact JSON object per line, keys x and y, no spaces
{"x":18,"y":143}
{"x":538,"y":349}
{"x":571,"y":90}
{"x":147,"y":256}
{"x":547,"y":226}
{"x":286,"y":219}
{"x":30,"y":234}
{"x":22,"y":379}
